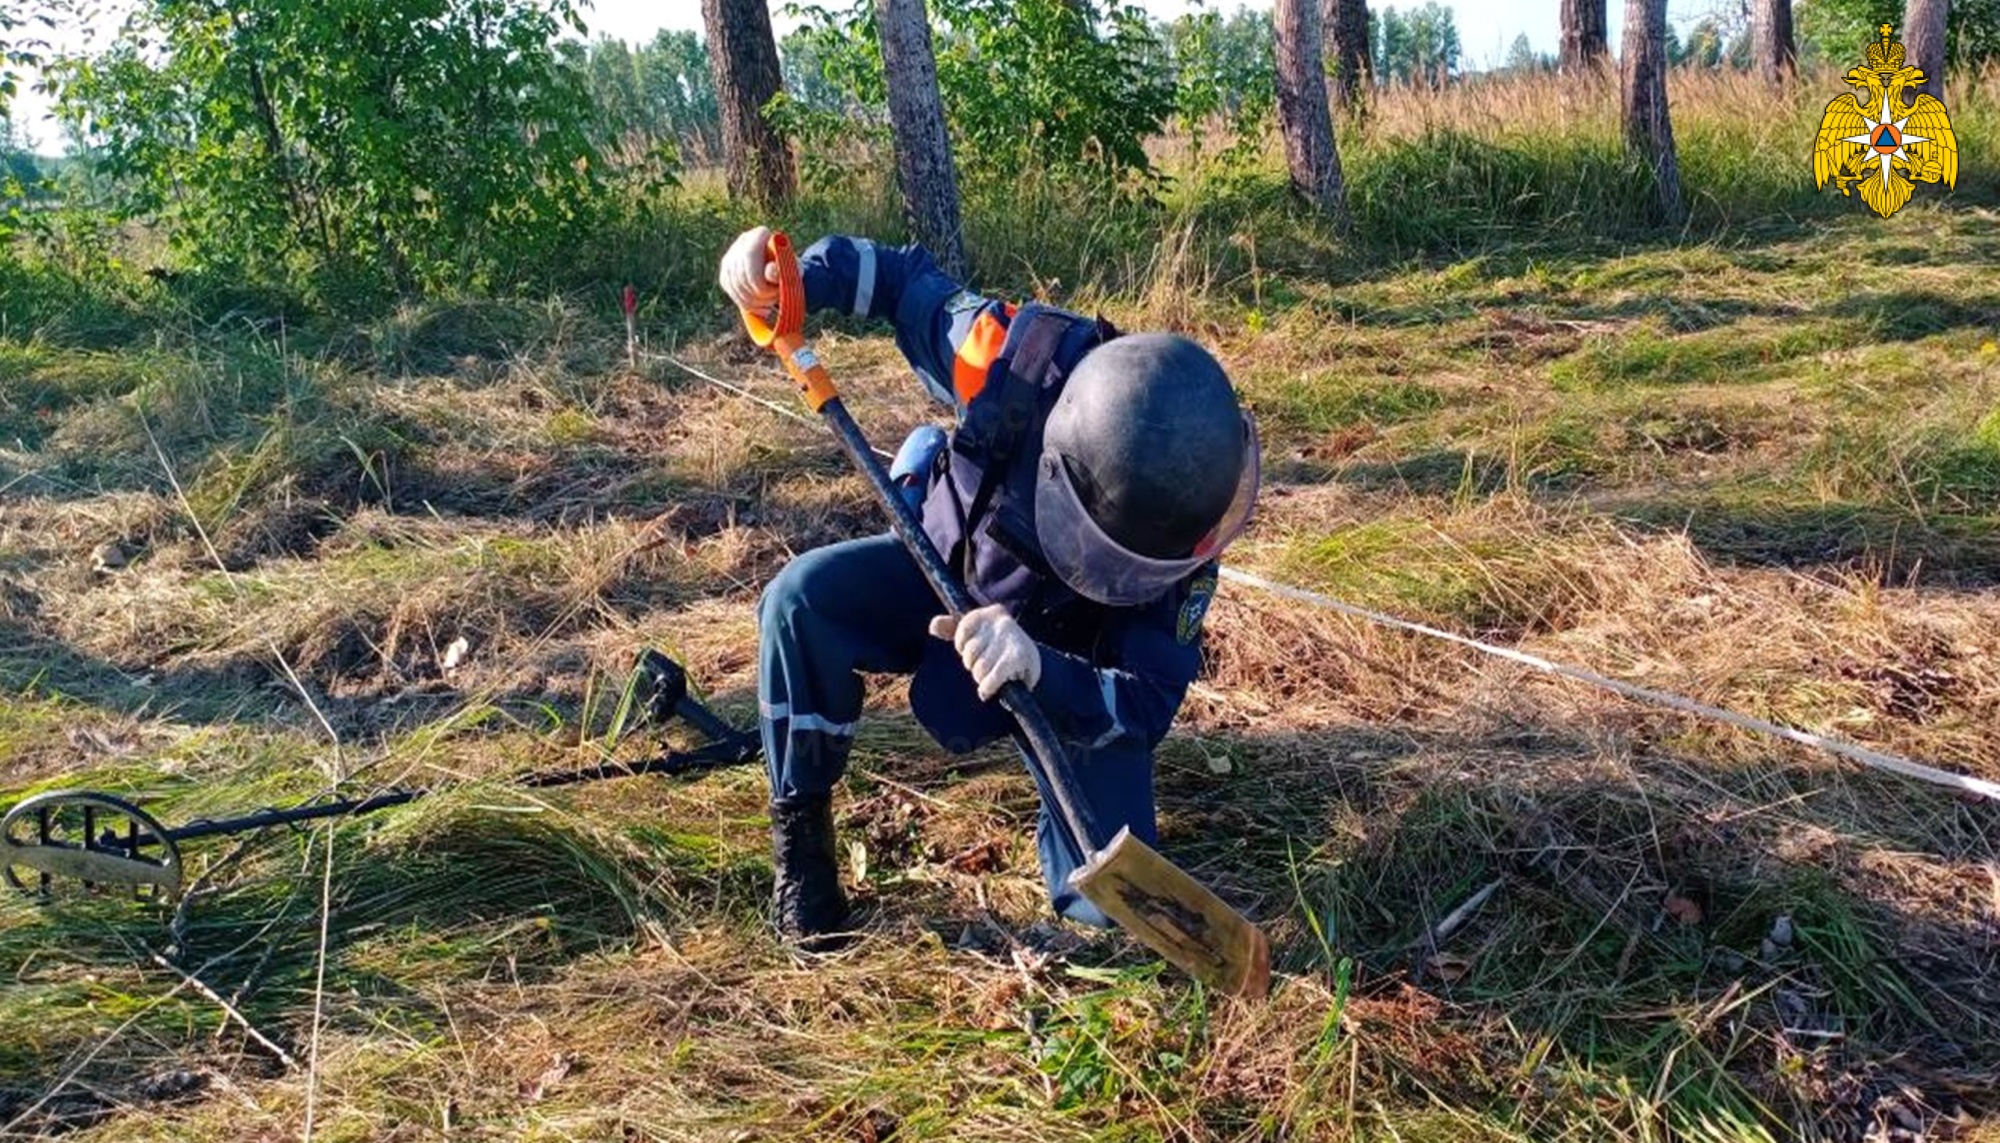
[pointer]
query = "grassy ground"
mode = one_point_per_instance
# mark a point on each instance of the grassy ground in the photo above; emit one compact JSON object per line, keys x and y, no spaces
{"x":1761,"y":469}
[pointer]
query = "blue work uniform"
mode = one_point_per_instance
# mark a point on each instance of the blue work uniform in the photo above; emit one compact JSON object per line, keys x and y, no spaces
{"x":1112,"y":678}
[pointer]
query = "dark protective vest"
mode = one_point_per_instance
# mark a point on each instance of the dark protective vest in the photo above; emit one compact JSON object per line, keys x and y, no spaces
{"x":980,"y":512}
{"x":980,"y":509}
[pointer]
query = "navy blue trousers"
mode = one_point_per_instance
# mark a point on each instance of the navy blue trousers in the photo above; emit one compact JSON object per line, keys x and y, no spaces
{"x":864,"y":605}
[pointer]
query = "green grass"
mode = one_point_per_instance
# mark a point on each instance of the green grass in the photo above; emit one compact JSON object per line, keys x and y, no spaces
{"x":1487,"y":578}
{"x":1757,"y":462}
{"x":1642,"y":356}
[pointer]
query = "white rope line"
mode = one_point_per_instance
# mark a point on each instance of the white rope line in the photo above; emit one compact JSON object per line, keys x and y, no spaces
{"x":746,"y":394}
{"x":1861,"y":754}
{"x":1873,"y":759}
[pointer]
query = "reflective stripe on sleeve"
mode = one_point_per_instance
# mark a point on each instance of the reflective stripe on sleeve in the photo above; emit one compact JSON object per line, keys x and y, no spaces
{"x":864,"y":279}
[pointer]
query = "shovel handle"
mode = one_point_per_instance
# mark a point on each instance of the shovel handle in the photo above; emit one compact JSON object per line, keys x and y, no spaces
{"x":783,"y":332}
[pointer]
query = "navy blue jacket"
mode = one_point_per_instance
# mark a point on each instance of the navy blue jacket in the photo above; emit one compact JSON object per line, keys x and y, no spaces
{"x":1112,"y":683}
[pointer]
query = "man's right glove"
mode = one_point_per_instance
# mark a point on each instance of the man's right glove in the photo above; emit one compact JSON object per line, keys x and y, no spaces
{"x":747,"y":275}
{"x":993,"y":646}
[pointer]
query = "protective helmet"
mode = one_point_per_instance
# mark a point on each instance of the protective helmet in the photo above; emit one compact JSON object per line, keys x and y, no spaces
{"x":1148,"y":469}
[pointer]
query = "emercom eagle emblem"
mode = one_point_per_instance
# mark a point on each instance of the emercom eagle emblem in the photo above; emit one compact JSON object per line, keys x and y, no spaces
{"x":1200,"y":594}
{"x":1870,"y":140}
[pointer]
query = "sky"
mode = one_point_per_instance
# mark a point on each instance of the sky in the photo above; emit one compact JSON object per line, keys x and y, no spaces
{"x":1485,"y":30}
{"x":1485,"y":27}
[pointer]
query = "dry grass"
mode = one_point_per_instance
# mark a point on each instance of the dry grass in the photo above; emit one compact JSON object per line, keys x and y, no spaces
{"x":1760,"y":473}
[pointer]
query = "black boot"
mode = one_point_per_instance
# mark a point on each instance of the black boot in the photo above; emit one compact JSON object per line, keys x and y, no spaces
{"x":810,"y":910}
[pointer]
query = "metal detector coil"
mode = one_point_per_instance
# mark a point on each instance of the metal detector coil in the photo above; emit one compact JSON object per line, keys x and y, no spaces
{"x":105,"y":841}
{"x":90,"y":837}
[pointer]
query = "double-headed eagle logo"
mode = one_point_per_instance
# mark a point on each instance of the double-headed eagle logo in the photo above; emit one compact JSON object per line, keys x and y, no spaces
{"x":1871,"y":140}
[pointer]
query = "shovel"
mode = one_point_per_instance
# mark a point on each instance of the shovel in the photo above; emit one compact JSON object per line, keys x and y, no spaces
{"x":1151,"y":898}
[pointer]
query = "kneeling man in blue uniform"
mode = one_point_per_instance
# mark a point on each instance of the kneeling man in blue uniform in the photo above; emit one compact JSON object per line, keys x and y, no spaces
{"x":1083,"y":497}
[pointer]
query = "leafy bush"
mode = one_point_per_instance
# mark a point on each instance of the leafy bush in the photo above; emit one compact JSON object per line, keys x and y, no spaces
{"x":1072,"y":81}
{"x":1838,"y":31}
{"x":21,"y":45}
{"x":352,"y":144}
{"x":1072,"y":85}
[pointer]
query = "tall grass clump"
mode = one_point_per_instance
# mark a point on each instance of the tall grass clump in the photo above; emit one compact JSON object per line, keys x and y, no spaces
{"x":1535,"y":160}
{"x":43,"y":301}
{"x":1520,"y":157}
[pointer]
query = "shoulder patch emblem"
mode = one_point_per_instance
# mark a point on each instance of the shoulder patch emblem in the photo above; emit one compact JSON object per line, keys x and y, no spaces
{"x":1200,"y":594}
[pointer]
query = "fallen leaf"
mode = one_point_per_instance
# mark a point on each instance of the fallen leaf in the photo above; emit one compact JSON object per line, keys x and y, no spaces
{"x":877,"y":1126}
{"x":1448,"y":967}
{"x":1683,"y":910}
{"x":981,"y":858}
{"x":534,"y":1089}
{"x":857,"y":856}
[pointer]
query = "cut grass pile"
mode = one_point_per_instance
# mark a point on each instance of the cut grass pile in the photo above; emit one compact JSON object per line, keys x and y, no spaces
{"x":1706,"y":468}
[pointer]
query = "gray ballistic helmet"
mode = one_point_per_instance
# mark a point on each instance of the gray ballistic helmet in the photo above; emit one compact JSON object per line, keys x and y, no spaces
{"x":1149,"y":468}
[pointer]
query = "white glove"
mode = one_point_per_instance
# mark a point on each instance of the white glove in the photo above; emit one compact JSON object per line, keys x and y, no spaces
{"x":993,"y":647}
{"x":747,"y":275}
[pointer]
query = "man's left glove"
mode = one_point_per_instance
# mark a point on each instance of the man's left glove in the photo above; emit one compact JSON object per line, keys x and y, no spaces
{"x":993,"y":647}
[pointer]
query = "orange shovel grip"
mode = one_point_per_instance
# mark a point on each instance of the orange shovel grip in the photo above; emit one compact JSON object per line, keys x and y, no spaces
{"x":784,"y":334}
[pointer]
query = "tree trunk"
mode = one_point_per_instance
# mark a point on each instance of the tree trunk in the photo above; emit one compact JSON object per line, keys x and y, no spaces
{"x":1771,"y":48}
{"x":743,"y":57}
{"x":1303,"y":117}
{"x":923,"y":147}
{"x":1584,"y":43}
{"x":1649,"y":129}
{"x":1347,"y":32}
{"x":1923,"y":38}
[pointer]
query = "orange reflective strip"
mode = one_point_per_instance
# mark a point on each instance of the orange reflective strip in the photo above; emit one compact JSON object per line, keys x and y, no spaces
{"x":976,"y":355}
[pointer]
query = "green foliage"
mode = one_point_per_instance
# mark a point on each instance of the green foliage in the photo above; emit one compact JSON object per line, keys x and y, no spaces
{"x":835,"y":104}
{"x":1838,"y":31}
{"x":1522,"y":57}
{"x":612,"y":78}
{"x":656,"y":91}
{"x":1066,"y":82}
{"x":1416,"y":46}
{"x":1972,"y":33}
{"x":678,"y":87}
{"x":90,"y":305}
{"x":1707,"y":45}
{"x":804,"y":56}
{"x":18,"y":171}
{"x":1069,"y":85}
{"x":351,"y":144}
{"x":1223,"y":67}
{"x":20,"y":176}
{"x":21,"y":48}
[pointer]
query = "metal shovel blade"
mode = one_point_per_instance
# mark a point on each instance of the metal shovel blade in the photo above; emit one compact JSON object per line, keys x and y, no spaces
{"x":1176,"y":916}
